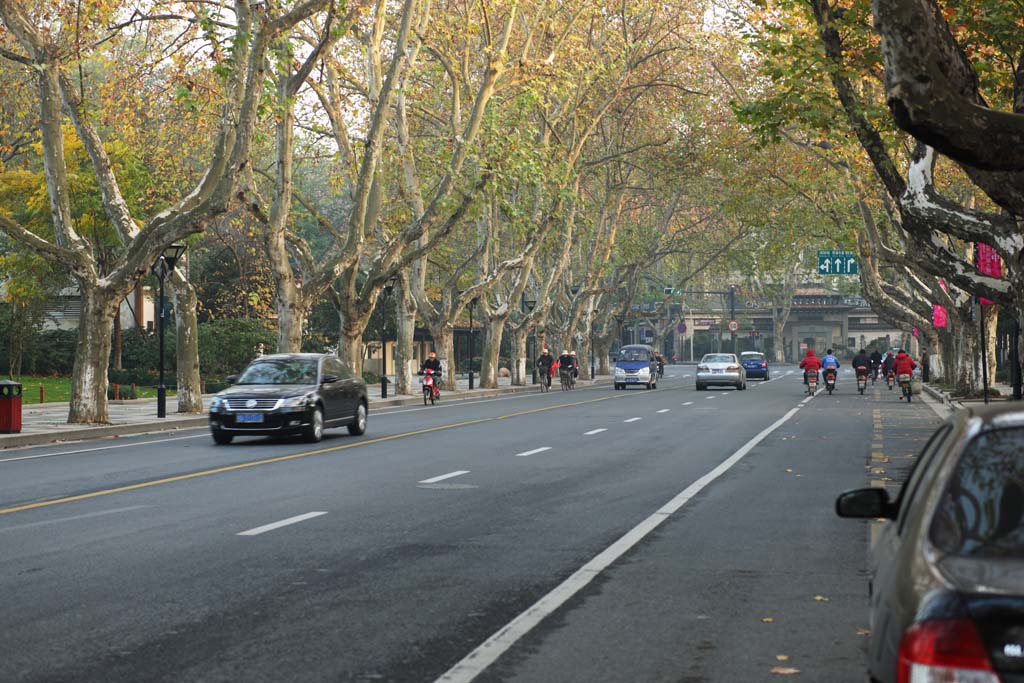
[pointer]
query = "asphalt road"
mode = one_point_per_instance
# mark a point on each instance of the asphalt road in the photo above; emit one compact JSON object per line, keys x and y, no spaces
{"x":596,"y":535}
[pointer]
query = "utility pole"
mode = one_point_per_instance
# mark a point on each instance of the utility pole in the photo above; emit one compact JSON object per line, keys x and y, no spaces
{"x":732,"y":313}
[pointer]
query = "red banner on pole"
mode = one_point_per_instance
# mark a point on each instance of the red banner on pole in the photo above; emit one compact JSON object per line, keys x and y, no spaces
{"x":938,"y":316}
{"x":988,"y":264}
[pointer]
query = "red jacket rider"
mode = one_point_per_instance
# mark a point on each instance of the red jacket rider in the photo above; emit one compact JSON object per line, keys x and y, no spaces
{"x":904,"y":364}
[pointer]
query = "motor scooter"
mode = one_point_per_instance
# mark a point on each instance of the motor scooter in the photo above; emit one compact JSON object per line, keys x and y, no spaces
{"x":890,"y":379}
{"x":812,"y":381}
{"x":862,"y":378}
{"x":905,"y":387}
{"x":830,"y":380}
{"x":431,"y":386}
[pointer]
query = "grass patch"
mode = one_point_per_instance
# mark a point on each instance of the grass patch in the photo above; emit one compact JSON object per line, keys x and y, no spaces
{"x":58,"y":389}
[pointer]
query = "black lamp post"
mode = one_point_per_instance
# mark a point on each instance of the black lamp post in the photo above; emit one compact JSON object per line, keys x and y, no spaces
{"x":389,"y":286}
{"x":472,"y":305}
{"x":529,"y":304}
{"x":163,"y":267}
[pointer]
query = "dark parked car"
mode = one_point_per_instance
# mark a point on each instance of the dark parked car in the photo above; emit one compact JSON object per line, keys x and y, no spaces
{"x":755,"y":364}
{"x":290,"y":394}
{"x":947,"y":576}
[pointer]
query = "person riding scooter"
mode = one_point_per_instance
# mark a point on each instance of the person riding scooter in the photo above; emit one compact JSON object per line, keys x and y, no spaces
{"x":903,"y":366}
{"x":809,"y":364}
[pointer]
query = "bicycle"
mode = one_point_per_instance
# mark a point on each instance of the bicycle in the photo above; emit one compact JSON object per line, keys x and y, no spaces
{"x":566,"y":378}
{"x":545,"y":380}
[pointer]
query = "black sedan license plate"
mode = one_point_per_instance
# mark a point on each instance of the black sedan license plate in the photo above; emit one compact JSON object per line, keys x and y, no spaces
{"x":250,"y":418}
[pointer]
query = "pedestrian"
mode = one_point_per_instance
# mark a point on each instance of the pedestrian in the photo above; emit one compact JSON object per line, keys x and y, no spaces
{"x":925,"y":365}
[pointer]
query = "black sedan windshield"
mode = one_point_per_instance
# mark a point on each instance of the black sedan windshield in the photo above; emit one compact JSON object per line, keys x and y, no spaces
{"x":280,"y":371}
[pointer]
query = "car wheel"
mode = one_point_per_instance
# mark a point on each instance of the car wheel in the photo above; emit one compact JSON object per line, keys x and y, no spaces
{"x":358,"y":425}
{"x":315,"y":431}
{"x":221,"y":438}
{"x":766,"y":377}
{"x":700,"y":387}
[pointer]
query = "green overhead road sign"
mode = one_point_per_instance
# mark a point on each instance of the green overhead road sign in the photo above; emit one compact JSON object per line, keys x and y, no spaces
{"x":832,"y":262}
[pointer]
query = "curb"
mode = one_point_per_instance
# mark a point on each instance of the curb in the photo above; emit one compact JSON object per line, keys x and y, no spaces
{"x":127,"y":429}
{"x":942,"y":397}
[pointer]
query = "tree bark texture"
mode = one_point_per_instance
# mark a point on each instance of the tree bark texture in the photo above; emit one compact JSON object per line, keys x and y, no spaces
{"x":494,"y":330}
{"x":406,"y":326}
{"x":190,"y":393}
{"x":92,"y":355}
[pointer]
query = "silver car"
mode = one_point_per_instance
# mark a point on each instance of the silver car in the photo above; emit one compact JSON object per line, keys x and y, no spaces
{"x":721,"y":368}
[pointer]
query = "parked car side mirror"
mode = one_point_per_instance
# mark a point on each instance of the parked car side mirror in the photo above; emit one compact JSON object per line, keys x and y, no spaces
{"x":232,"y":379}
{"x":869,"y":503}
{"x":330,"y":379}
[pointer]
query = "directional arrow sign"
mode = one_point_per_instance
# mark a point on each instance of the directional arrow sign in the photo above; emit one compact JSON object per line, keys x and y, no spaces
{"x":832,"y":262}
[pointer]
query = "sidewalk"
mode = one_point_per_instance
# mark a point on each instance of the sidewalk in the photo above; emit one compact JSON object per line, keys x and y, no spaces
{"x":46,"y":423}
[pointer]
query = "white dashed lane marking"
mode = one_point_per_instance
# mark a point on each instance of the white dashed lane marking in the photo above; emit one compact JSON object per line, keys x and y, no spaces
{"x":533,"y":452}
{"x":633,"y":419}
{"x":664,"y":410}
{"x":277,"y":525}
{"x":595,"y":431}
{"x":442,"y":477}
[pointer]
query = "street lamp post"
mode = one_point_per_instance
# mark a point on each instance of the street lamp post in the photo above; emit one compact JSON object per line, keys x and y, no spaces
{"x":472,"y":305}
{"x":593,"y":373}
{"x":529,"y":304}
{"x":163,"y":267}
{"x":388,"y":288}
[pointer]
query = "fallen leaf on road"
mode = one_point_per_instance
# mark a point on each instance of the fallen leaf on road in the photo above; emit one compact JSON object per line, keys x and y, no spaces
{"x":767,"y":620}
{"x":821,"y":598}
{"x":784,"y":670}
{"x":782,"y":658}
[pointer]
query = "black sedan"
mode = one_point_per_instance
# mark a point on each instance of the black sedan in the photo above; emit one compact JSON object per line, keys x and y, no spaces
{"x":290,"y":394}
{"x":947,"y":577}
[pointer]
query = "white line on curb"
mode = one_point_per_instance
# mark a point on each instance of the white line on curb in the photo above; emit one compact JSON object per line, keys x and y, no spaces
{"x":534,"y":451}
{"x":277,"y":525}
{"x":491,"y":649}
{"x":434,"y":480}
{"x":633,"y":419}
{"x":664,"y":410}
{"x":595,"y":431}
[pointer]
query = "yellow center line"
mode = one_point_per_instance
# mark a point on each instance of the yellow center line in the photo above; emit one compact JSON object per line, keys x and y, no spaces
{"x":294,"y":456}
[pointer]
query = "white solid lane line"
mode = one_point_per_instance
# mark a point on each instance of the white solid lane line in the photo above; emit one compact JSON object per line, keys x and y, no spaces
{"x":595,"y":431}
{"x":633,"y":419}
{"x":533,"y":452}
{"x":688,"y":403}
{"x":664,"y":410}
{"x":138,"y":444}
{"x":73,"y":518}
{"x":434,"y":480}
{"x":277,"y":525}
{"x":473,"y":664}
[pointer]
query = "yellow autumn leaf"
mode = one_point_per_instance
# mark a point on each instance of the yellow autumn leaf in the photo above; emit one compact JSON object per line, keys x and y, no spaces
{"x":767,"y":620}
{"x":782,"y":658}
{"x":821,"y":598}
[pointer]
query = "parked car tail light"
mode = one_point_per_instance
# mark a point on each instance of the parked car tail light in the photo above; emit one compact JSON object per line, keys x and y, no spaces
{"x":733,"y":368}
{"x":764,"y":364}
{"x":702,"y":368}
{"x":944,"y":651}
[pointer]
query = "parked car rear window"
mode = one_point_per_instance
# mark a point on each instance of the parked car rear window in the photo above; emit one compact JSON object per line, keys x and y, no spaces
{"x":634,"y":354}
{"x":981,"y":514}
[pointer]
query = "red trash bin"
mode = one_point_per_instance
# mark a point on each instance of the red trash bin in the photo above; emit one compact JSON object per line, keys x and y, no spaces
{"x":10,"y":407}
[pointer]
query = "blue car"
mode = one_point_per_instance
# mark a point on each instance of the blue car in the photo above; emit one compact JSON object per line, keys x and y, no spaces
{"x":755,"y":364}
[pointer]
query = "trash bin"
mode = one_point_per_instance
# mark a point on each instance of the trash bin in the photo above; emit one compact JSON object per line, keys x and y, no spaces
{"x":10,"y":407}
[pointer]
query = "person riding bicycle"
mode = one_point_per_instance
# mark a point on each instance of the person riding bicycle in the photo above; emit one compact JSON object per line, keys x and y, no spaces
{"x":544,"y":362}
{"x":876,"y":363}
{"x":810,"y":363}
{"x":661,"y":364}
{"x":575,"y":365}
{"x":566,"y":363}
{"x":861,"y":360}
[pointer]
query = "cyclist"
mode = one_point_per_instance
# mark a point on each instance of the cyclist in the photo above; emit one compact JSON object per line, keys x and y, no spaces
{"x":661,"y":364}
{"x":432,"y":363}
{"x":544,"y":362}
{"x":575,"y":365}
{"x":566,"y":363}
{"x":876,"y":363}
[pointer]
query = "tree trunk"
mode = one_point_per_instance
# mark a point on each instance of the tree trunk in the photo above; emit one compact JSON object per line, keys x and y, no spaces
{"x":406,"y":325}
{"x":991,"y":332}
{"x":493,"y":333}
{"x":519,"y":377}
{"x":291,"y":317}
{"x":350,"y":350}
{"x":603,"y":350}
{"x":92,"y":357}
{"x":190,"y":393}
{"x":444,"y":346}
